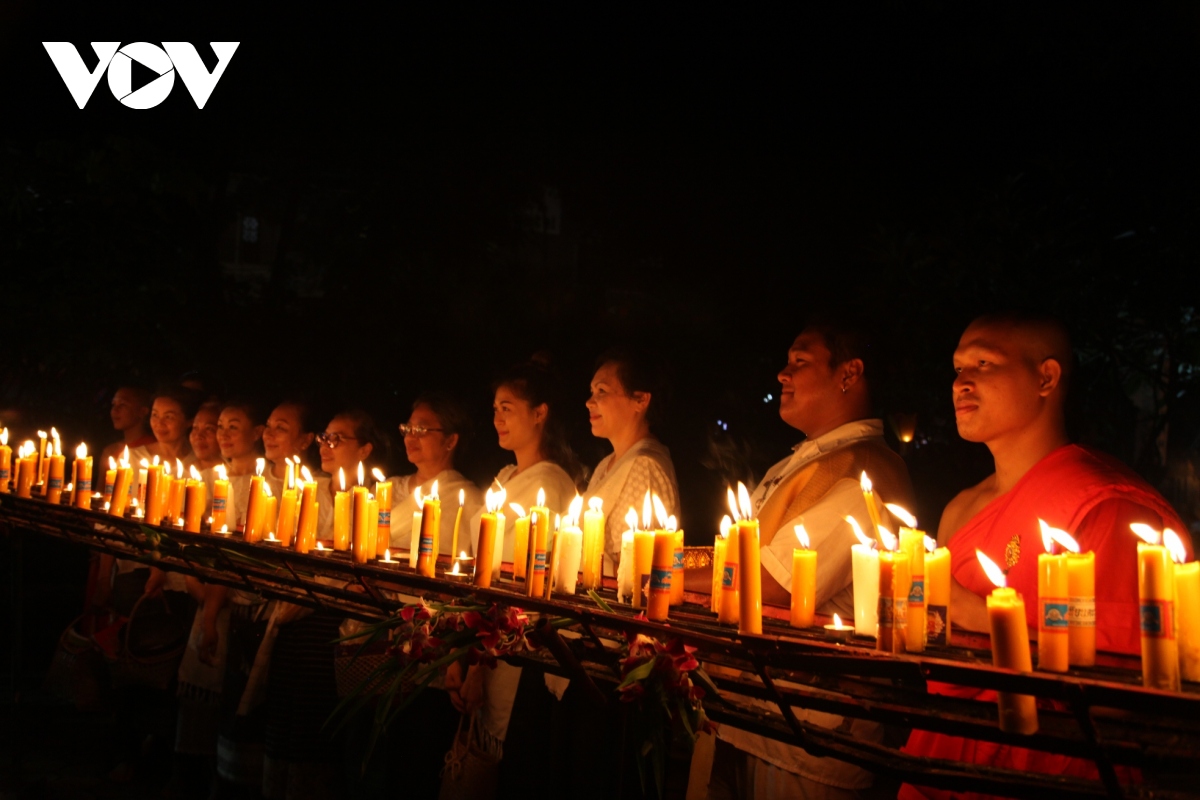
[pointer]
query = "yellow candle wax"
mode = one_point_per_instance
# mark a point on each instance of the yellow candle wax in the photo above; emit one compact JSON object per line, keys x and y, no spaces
{"x":383,"y":496}
{"x":431,"y":519}
{"x":306,"y":534}
{"x":220,"y":499}
{"x":83,"y":478}
{"x":40,"y":463}
{"x":730,"y":612}
{"x":373,"y":529}
{"x":54,"y":477}
{"x":539,"y":540}
{"x":195,"y":499}
{"x":1081,"y":588}
{"x":1010,"y":649}
{"x":175,"y":500}
{"x":26,"y":473}
{"x":270,"y":514}
{"x":661,"y":574}
{"x":286,"y":528}
{"x":485,"y":552}
{"x":937,"y":595}
{"x":520,"y":544}
{"x":120,"y":498}
{"x":593,"y":543}
{"x":360,"y":532}
{"x":912,"y":542}
{"x":457,"y":522}
{"x":110,"y":481}
{"x":1187,"y":606}
{"x":255,"y":510}
{"x":1156,"y":595}
{"x":677,"y":570}
{"x":643,"y":563}
{"x":750,"y":584}
{"x":804,"y":587}
{"x":5,"y":461}
{"x":894,"y":583}
{"x":1053,"y":616}
{"x":718,"y":572}
{"x":341,"y":521}
{"x":154,"y":499}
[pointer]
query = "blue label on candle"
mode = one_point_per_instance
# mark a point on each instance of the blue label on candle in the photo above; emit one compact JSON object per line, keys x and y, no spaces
{"x":84,"y":486}
{"x":1157,"y":619}
{"x":916,"y":593}
{"x":56,"y":483}
{"x":660,"y":580}
{"x":426,"y":548}
{"x":539,"y":561}
{"x":108,"y":489}
{"x":4,"y":474}
{"x":218,"y":504}
{"x":677,"y":560}
{"x":1055,"y":615}
{"x":385,"y":517}
{"x":729,"y":578}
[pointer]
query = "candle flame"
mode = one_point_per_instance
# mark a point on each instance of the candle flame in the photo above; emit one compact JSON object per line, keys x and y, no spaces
{"x":220,"y":472}
{"x":387,"y":554}
{"x":1175,"y":545}
{"x":195,"y":473}
{"x":660,"y":511}
{"x":517,"y":509}
{"x":837,"y":621}
{"x":865,"y":483}
{"x":42,"y":435}
{"x":724,"y":526}
{"x":145,"y":463}
{"x":167,"y":468}
{"x":462,"y":555}
{"x":155,"y":462}
{"x":631,"y":519}
{"x":125,"y":455}
{"x":890,"y":542}
{"x":4,"y":437}
{"x":596,"y":504}
{"x":53,"y":432}
{"x":930,"y":544}
{"x":1147,"y":533}
{"x":802,"y":536}
{"x":672,"y":524}
{"x":361,"y":476}
{"x":858,"y":532}
{"x":462,"y":496}
{"x":179,"y":467}
{"x":495,"y":500}
{"x":744,"y":502}
{"x":646,"y":506}
{"x":541,"y":497}
{"x":342,"y":478}
{"x":378,"y":473}
{"x":433,"y":493}
{"x":112,"y":462}
{"x":992,"y":570}
{"x":575,"y":510}
{"x":304,"y":473}
{"x":734,"y":515}
{"x":57,"y":446}
{"x":259,"y":465}
{"x":266,"y":489}
{"x":133,"y":503}
{"x":557,"y":522}
{"x":1055,"y":535}
{"x":455,"y":570}
{"x":901,"y":513}
{"x":320,"y":546}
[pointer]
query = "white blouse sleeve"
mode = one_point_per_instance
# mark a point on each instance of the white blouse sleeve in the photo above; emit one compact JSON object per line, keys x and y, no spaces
{"x":645,"y":474}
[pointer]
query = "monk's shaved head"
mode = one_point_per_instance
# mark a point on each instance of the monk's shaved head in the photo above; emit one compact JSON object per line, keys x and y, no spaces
{"x":1031,"y":337}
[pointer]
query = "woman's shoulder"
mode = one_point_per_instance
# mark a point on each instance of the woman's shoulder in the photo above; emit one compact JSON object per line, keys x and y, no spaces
{"x":452,"y":481}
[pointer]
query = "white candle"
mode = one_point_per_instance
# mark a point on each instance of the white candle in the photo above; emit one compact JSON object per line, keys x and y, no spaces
{"x":865,"y":559}
{"x":570,"y":539}
{"x":625,"y":568}
{"x":498,"y":552}
{"x":414,"y":538}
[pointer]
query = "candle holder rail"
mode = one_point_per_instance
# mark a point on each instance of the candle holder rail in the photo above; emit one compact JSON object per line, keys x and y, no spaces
{"x":1102,"y":715}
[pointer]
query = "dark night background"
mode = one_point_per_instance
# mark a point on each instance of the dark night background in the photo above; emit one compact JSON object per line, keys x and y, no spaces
{"x":440,"y":192}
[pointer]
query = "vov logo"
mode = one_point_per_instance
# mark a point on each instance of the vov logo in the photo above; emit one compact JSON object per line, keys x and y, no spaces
{"x":164,"y":61}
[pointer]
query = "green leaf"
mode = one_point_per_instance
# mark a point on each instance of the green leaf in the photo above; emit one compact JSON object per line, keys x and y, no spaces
{"x":600,"y":601}
{"x":638,"y":673}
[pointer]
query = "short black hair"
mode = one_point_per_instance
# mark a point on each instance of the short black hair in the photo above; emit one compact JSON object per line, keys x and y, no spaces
{"x":847,"y":338}
{"x":641,"y":370}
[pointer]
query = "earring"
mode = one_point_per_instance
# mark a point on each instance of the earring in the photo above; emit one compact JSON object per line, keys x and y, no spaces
{"x":843,"y":388}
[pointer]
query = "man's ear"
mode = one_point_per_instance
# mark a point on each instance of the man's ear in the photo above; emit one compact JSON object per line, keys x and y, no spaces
{"x":852,"y":371}
{"x":1049,"y":376}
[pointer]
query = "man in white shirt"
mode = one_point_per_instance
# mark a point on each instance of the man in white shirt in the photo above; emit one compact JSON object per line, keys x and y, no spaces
{"x":825,"y":395}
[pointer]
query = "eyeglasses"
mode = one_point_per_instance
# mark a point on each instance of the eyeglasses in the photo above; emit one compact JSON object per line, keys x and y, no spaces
{"x":332,"y":440}
{"x":417,"y":430}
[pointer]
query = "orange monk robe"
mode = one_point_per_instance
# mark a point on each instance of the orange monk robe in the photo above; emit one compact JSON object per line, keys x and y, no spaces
{"x":1094,"y":498}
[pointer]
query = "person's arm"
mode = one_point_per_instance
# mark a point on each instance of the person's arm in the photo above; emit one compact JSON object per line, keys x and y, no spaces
{"x":154,"y":584}
{"x":104,"y":581}
{"x":214,"y":601}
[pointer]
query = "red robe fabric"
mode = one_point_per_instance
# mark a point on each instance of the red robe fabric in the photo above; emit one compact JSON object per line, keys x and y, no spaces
{"x":1094,"y":498}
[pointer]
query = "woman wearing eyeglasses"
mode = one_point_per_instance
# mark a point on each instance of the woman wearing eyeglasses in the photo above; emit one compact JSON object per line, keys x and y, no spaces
{"x":436,"y":430}
{"x":627,"y":397}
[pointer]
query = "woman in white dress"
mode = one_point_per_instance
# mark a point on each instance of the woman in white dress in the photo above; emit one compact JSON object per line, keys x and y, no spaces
{"x":621,"y":408}
{"x":437,"y":429}
{"x":290,"y":431}
{"x":350,"y":438}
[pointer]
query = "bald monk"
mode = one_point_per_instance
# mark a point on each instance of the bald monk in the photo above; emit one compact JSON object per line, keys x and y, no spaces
{"x":825,"y":394}
{"x":1013,"y":372}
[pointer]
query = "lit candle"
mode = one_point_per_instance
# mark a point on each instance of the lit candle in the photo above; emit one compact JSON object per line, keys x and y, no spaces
{"x":26,"y":469}
{"x":1156,"y":595}
{"x":718,"y":564}
{"x":864,"y":559}
{"x":55,"y":471}
{"x":1187,"y":606}
{"x":341,"y":514}
{"x":553,"y":557}
{"x":804,"y":581}
{"x":625,"y":565}
{"x":462,"y":496}
{"x":868,"y":490}
{"x":662,"y":557}
{"x":178,"y":486}
{"x":539,"y":539}
{"x":431,"y":519}
{"x":154,"y":494}
{"x":122,"y":486}
{"x":40,"y":465}
{"x":730,"y":612}
{"x":414,"y":537}
{"x":360,"y":533}
{"x":387,"y":557}
{"x":383,"y":497}
{"x":895,"y":580}
{"x":220,"y":499}
{"x":676,"y":562}
{"x":285,"y":529}
{"x":520,"y":541}
{"x":270,"y":510}
{"x":5,"y":461}
{"x":912,"y":541}
{"x":937,"y":592}
{"x":371,"y":549}
{"x":143,"y":469}
{"x":485,"y":553}
{"x":750,"y":584}
{"x":110,"y":481}
{"x":306,"y":535}
{"x":256,"y":507}
{"x":83,"y":477}
{"x":593,"y":543}
{"x":570,"y":542}
{"x":1053,"y":614}
{"x":838,"y":632}
{"x":643,"y":555}
{"x":195,"y":499}
{"x":1010,"y":648}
